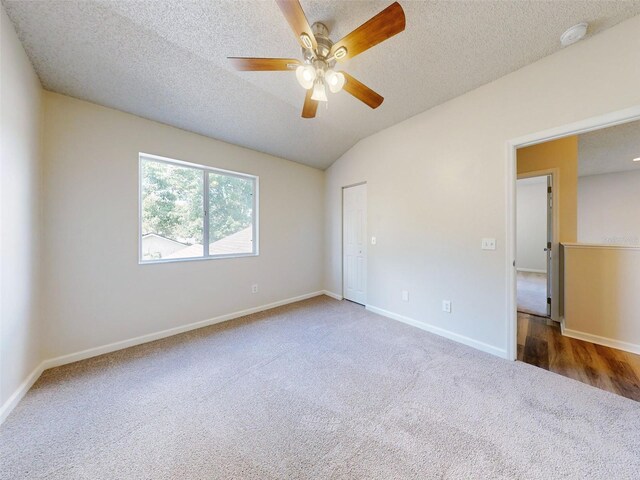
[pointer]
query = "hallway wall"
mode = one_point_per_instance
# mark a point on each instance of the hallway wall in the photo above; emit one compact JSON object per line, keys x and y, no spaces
{"x":531,"y":221}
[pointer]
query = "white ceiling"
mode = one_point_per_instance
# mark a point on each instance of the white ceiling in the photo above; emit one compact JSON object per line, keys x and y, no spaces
{"x":166,"y":61}
{"x":609,"y":150}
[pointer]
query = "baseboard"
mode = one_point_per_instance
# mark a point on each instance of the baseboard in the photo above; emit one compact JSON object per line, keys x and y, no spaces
{"x":15,"y":398}
{"x":531,"y":270}
{"x":112,"y":347}
{"x":597,"y":339}
{"x":332,"y":295}
{"x":485,"y":347}
{"x":20,"y":392}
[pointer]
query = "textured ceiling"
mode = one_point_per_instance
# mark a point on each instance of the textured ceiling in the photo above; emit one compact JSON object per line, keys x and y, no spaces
{"x":609,"y":150}
{"x":166,"y":61}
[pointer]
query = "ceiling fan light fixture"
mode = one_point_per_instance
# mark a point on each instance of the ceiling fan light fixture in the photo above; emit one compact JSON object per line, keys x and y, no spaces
{"x":306,"y":41}
{"x":340,"y":53}
{"x":319,"y":92}
{"x":306,"y":75}
{"x":335,"y":80}
{"x":319,"y":54}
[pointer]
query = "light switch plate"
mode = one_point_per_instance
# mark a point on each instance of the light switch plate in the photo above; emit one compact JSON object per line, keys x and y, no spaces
{"x":488,"y":244}
{"x":373,"y":240}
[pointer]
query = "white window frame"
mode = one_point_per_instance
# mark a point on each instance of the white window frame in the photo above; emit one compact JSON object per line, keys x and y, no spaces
{"x":205,"y":199}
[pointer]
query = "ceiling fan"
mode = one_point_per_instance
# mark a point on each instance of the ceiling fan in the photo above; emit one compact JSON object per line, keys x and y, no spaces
{"x":316,"y":71}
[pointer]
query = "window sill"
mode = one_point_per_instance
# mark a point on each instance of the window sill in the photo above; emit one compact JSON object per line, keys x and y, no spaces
{"x":197,"y":259}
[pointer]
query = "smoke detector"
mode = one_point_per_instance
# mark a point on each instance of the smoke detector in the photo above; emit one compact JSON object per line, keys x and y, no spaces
{"x":574,"y":34}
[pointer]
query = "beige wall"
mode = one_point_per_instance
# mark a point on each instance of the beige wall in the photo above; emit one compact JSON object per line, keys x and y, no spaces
{"x":609,"y":208}
{"x":20,"y":119}
{"x":602,"y":304}
{"x":562,"y":155}
{"x":437,"y":185}
{"x":95,"y":292}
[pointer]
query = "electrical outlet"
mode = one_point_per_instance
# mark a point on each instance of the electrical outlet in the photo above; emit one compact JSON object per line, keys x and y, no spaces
{"x":405,"y":296}
{"x":446,"y":306}
{"x":254,"y":288}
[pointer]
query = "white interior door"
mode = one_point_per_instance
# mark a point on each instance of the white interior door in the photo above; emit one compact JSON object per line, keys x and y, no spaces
{"x":354,"y":243}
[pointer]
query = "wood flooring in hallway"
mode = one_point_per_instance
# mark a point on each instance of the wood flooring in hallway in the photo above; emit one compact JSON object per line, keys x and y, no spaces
{"x":541,"y":343}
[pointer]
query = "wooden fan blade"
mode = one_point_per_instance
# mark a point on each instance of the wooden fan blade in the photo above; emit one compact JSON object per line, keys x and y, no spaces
{"x":263,"y":64}
{"x":292,"y":11}
{"x":310,"y":106}
{"x":361,"y":91}
{"x":384,"y":25}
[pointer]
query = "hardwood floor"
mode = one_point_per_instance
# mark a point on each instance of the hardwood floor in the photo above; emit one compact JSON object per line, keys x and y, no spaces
{"x":540,"y":343}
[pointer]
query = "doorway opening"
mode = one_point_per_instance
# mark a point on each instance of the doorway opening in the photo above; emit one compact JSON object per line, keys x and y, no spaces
{"x":590,"y":333}
{"x":354,"y":243}
{"x":534,"y":239}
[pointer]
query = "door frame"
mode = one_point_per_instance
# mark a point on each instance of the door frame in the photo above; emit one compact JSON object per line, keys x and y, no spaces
{"x":357,"y":184}
{"x":594,"y":123}
{"x":555,"y":245}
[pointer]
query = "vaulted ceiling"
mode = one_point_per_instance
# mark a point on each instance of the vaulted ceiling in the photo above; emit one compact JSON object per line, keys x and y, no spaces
{"x":166,"y":61}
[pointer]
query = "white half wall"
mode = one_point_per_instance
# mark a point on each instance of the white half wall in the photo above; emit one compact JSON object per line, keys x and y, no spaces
{"x":437,"y":184}
{"x":531,"y":220}
{"x":609,"y":208}
{"x":95,"y":293}
{"x":20,"y":175}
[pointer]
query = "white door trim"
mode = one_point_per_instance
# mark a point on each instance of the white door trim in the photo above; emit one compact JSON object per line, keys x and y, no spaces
{"x":583,"y":126}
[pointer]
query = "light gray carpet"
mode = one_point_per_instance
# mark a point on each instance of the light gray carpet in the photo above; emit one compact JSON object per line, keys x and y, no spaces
{"x":318,"y":389}
{"x":532,"y":293}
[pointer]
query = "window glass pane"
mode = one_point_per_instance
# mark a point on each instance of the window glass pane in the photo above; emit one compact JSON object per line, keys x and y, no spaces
{"x":230,"y":214}
{"x":172,"y":211}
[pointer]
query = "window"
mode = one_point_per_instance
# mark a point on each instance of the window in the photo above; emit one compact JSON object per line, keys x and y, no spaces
{"x":182,"y":204}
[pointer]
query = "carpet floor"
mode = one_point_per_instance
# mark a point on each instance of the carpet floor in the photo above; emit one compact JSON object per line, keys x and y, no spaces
{"x":317,"y":389}
{"x":532,"y":293}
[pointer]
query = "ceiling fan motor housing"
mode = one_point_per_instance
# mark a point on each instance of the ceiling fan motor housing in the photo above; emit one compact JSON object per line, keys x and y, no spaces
{"x":321,"y":33}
